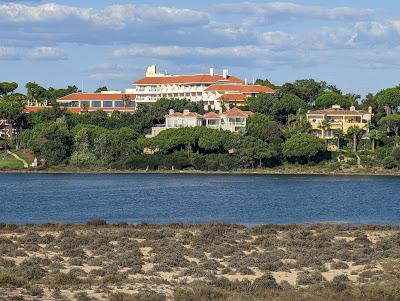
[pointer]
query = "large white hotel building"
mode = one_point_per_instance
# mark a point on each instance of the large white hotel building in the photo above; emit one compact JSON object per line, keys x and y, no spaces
{"x":212,"y":89}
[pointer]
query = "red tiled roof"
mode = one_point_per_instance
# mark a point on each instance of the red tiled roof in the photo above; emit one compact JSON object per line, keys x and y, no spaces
{"x":96,"y":96}
{"x":235,"y":112}
{"x":240,"y":88}
{"x":192,"y":114}
{"x":175,"y":114}
{"x":232,"y":97}
{"x":338,"y":112}
{"x":32,"y":109}
{"x":211,"y":115}
{"x":187,"y":79}
{"x":189,"y":114}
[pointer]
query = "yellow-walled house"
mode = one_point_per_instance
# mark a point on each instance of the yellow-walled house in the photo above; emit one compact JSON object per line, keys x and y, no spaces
{"x":324,"y":122}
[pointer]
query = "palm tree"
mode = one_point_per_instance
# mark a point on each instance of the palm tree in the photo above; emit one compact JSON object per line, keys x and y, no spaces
{"x":374,"y":135}
{"x":338,"y":133}
{"x":126,"y":100}
{"x":353,"y":97}
{"x":355,"y":133}
{"x":324,"y":126}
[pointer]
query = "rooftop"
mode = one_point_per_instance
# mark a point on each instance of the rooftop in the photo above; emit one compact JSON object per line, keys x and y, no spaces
{"x":235,"y":112}
{"x":188,"y":79}
{"x":337,"y":110}
{"x":240,"y":88}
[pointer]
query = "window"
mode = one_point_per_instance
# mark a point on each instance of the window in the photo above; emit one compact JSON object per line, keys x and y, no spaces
{"x":96,"y":103}
{"x":107,"y":104}
{"x":119,"y":104}
{"x":85,"y":103}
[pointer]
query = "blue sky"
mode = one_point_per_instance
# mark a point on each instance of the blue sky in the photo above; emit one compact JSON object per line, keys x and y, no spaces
{"x":353,"y":44}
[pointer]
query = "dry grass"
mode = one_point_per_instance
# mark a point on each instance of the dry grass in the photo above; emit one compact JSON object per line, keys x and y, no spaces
{"x":97,"y":261}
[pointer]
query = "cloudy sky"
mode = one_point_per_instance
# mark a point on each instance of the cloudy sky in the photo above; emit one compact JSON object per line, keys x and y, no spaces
{"x":354,"y":44}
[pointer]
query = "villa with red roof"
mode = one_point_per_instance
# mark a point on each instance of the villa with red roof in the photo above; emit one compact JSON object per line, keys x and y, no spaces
{"x":233,"y":120}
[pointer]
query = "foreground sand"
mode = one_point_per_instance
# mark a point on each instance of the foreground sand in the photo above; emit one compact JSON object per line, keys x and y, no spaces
{"x":199,"y":262}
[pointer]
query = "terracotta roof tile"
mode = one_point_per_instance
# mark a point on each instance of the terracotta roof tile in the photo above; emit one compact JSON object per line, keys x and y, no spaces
{"x":338,"y":112}
{"x":212,"y":115}
{"x":186,"y":79}
{"x":235,"y":112}
{"x":240,"y":88}
{"x":232,"y":97}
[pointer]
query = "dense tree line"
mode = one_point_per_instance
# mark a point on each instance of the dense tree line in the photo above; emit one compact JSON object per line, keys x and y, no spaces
{"x":277,"y":133}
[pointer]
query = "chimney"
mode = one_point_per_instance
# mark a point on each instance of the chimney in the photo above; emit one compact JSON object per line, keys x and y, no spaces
{"x":211,"y":71}
{"x":225,"y":73}
{"x":185,"y":112}
{"x":370,"y":109}
{"x":171,"y":111}
{"x":352,"y":108}
{"x":254,"y":81}
{"x":245,"y":81}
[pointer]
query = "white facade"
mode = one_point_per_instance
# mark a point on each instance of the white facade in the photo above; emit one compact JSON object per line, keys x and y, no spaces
{"x":233,"y":120}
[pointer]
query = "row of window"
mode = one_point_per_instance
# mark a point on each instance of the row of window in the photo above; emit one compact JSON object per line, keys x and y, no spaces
{"x":100,"y":104}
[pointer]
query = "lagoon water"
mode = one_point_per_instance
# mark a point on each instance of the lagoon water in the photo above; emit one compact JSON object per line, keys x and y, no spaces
{"x":166,"y":198}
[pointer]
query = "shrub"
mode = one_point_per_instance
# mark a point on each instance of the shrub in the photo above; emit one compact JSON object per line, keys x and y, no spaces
{"x":8,"y":278}
{"x":340,"y":265}
{"x":396,"y":153}
{"x":35,"y":291}
{"x":389,"y":163}
{"x":267,"y":281}
{"x":199,"y":292}
{"x":306,"y":278}
{"x":144,"y":296}
{"x":97,"y":223}
{"x":66,"y":279}
{"x":83,"y":159}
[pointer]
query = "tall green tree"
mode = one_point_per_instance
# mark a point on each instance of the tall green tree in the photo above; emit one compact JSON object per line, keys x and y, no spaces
{"x":374,"y":135}
{"x":52,"y":142}
{"x":101,"y":89}
{"x":328,"y":99}
{"x":288,"y":105}
{"x":7,"y":87}
{"x":35,"y":93}
{"x":392,"y":123}
{"x":303,"y":147}
{"x":389,"y":100}
{"x":257,"y":124}
{"x":306,"y":89}
{"x":253,"y":151}
{"x":355,"y":133}
{"x":266,"y":83}
{"x":263,"y":103}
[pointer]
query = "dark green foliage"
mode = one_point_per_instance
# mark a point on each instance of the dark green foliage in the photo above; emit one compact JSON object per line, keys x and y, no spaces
{"x":328,"y":99}
{"x":389,"y":100}
{"x":303,"y":147}
{"x":289,"y":104}
{"x":6,"y":88}
{"x":52,"y":142}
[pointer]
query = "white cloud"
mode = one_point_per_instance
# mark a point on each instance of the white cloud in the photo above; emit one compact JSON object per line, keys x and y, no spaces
{"x":46,"y":54}
{"x":243,"y":56}
{"x":286,"y":11}
{"x":116,"y":23}
{"x":8,"y":53}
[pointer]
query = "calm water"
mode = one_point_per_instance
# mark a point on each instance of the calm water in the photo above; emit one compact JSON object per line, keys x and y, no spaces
{"x":246,"y":199}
